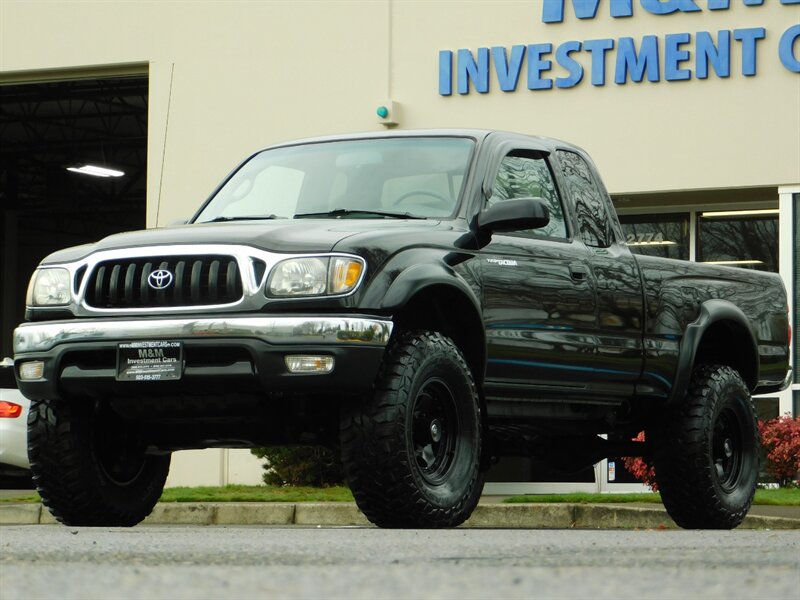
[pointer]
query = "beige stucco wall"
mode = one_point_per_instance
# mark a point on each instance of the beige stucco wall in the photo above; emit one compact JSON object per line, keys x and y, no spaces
{"x":215,"y":466}
{"x":229,"y":77}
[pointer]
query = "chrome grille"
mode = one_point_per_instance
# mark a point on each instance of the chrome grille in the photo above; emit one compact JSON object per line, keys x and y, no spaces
{"x":197,"y":281}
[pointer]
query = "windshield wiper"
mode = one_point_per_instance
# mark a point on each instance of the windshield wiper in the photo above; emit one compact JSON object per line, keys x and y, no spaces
{"x":343,"y":212}
{"x":242,"y":218}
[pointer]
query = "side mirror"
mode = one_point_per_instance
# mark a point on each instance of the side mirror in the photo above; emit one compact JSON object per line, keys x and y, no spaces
{"x":514,"y":215}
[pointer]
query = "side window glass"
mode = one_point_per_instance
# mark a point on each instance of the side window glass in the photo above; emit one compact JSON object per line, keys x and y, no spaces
{"x":528,"y":177}
{"x":590,"y":207}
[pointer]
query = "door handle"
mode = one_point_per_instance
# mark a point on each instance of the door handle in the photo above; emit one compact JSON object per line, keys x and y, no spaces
{"x":578,"y":273}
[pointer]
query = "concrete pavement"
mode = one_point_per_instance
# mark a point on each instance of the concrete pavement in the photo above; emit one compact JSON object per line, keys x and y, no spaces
{"x":488,"y":514}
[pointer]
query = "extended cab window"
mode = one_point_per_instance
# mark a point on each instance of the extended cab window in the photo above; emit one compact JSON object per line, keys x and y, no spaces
{"x":590,"y":206}
{"x":529,"y":177}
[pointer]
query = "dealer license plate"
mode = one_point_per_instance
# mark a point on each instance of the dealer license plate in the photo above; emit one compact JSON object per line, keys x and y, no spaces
{"x":149,"y":361}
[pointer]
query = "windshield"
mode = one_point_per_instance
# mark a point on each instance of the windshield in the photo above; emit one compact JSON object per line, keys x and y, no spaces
{"x":376,"y":178}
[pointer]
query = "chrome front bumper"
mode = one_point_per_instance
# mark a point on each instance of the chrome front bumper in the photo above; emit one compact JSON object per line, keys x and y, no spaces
{"x":329,"y":329}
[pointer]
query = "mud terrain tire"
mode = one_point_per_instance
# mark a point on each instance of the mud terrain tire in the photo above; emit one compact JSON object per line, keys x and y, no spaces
{"x":707,"y":460}
{"x":90,"y":467}
{"x":412,"y":451}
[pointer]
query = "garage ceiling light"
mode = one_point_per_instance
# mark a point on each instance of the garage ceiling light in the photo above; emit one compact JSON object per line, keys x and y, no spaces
{"x":96,"y":171}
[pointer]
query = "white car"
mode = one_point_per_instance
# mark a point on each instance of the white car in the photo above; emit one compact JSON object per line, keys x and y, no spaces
{"x":13,"y":425}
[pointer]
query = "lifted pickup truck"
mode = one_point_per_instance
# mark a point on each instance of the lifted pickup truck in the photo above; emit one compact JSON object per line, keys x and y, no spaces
{"x":427,"y":302}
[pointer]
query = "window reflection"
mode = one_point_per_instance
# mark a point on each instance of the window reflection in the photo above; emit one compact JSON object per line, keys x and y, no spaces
{"x":529,"y":177}
{"x":588,"y":200}
{"x":741,"y":241}
{"x":666,"y":236}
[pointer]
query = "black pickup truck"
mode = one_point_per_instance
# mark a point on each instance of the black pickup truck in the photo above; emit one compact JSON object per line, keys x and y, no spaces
{"x":427,"y":302}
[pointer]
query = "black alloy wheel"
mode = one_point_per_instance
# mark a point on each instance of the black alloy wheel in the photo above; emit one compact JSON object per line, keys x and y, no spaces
{"x":411,"y":452}
{"x":726,"y":450}
{"x":707,"y":460}
{"x":434,"y":430}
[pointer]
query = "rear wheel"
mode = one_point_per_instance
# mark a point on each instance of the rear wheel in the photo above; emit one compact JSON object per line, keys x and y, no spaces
{"x":707,"y":452}
{"x":411,"y":453}
{"x":90,"y":467}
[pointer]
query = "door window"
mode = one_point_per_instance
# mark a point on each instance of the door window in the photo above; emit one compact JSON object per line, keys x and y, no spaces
{"x":591,"y":210}
{"x":529,"y":177}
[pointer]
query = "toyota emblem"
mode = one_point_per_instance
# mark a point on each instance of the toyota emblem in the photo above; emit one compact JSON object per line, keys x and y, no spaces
{"x":160,"y":279}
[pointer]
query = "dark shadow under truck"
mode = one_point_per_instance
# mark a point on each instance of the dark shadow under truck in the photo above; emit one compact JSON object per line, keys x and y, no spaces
{"x":428,"y":302}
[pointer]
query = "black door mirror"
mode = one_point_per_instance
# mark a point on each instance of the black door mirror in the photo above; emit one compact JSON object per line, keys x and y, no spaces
{"x":514,"y":215}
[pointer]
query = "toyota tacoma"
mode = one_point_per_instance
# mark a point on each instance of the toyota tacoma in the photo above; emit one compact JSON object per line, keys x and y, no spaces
{"x":426,"y":302}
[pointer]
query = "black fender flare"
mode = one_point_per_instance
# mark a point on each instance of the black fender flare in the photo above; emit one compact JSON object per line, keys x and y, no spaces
{"x":711,"y":312}
{"x":416,"y":278}
{"x":389,"y":295}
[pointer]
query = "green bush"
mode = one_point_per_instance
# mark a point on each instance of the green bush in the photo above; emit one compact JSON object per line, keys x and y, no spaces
{"x":301,"y":465}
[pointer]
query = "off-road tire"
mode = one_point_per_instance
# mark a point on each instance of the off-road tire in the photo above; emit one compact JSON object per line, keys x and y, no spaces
{"x":80,"y":481}
{"x":401,"y":475}
{"x":706,"y":452}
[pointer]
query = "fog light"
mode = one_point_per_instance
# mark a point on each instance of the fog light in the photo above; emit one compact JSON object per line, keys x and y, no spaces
{"x":302,"y":363}
{"x":33,"y":369}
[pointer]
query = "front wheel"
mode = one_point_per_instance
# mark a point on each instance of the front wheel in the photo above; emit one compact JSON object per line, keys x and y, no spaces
{"x":90,"y":467}
{"x":706,"y":459}
{"x":412,"y":451}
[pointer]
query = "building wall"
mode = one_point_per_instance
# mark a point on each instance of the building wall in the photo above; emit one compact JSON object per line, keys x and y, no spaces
{"x":214,"y":467}
{"x":229,"y":77}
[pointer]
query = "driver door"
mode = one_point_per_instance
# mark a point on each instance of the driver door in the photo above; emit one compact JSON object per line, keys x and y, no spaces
{"x":539,"y":296}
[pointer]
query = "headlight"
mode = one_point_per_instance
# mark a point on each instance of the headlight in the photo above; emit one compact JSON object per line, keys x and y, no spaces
{"x":315,"y":276}
{"x":49,"y":287}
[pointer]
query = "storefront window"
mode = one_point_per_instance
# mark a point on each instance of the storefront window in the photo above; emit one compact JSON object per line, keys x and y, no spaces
{"x":666,"y":236}
{"x":747,"y":238}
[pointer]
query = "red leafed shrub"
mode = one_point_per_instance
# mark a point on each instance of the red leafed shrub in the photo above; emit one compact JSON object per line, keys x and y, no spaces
{"x":637,"y":467}
{"x":781,"y":440}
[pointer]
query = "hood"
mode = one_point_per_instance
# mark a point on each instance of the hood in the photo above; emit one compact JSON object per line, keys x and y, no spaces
{"x":290,"y":236}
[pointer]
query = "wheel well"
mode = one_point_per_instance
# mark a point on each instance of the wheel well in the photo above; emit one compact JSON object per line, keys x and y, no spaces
{"x":728,"y":343}
{"x":446,"y":310}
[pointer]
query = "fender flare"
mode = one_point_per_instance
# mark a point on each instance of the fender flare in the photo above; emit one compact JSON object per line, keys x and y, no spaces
{"x":386,"y":295}
{"x":711,"y":312}
{"x":391,"y":296}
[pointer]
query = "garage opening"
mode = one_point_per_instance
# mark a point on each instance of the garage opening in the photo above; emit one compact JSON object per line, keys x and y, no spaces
{"x":73,"y":169}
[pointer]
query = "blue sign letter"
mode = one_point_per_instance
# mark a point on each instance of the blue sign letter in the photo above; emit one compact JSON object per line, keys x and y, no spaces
{"x":627,"y":60}
{"x":570,"y":64}
{"x":536,"y":65}
{"x":786,"y":49}
{"x":478,"y":73}
{"x":674,"y":56}
{"x":749,"y":38}
{"x":508,"y":73}
{"x":719,"y":56}
{"x":598,"y":48}
{"x":445,"y":72}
